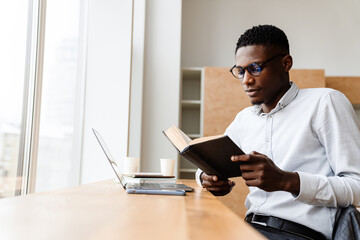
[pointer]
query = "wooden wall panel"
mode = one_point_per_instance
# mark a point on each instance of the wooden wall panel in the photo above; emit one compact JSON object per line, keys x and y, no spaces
{"x":350,"y":86}
{"x":308,"y":78}
{"x":224,"y":97}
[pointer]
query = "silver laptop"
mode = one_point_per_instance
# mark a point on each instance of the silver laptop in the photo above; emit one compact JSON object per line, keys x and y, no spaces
{"x":142,"y":188}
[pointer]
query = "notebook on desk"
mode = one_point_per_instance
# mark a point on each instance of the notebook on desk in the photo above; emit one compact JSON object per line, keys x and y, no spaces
{"x":143,"y":188}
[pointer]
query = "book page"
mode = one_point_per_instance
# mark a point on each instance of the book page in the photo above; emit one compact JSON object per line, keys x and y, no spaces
{"x":175,"y":135}
{"x":204,"y":139}
{"x":185,"y":137}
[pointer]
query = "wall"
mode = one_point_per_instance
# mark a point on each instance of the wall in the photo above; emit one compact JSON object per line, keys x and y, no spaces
{"x":161,"y":80}
{"x":322,"y":34}
{"x":107,"y":85}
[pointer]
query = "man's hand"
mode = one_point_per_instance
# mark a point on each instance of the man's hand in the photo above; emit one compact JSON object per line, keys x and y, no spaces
{"x":216,"y":186}
{"x":260,"y":171}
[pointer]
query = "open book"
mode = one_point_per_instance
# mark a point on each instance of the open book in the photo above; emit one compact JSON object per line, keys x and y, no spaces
{"x":210,"y":154}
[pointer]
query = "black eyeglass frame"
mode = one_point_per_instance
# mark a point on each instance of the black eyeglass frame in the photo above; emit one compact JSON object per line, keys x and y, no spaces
{"x":260,"y":65}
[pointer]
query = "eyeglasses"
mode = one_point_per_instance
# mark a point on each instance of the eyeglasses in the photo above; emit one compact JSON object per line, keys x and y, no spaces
{"x":253,"y":68}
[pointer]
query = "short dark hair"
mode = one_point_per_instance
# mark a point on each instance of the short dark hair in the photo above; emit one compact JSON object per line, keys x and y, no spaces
{"x":266,"y":35}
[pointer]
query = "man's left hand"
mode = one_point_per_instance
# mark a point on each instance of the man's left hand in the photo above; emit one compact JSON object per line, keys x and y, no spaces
{"x":260,"y":171}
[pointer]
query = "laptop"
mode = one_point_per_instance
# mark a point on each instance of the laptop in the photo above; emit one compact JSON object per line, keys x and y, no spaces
{"x":141,"y":188}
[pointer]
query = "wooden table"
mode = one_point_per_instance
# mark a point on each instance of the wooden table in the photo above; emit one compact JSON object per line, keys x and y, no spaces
{"x":103,"y":210}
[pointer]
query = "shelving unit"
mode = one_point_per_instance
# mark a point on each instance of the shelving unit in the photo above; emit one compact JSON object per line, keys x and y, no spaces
{"x":191,"y":112}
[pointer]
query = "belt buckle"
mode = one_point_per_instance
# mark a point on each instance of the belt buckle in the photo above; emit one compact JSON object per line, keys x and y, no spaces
{"x":257,"y":222}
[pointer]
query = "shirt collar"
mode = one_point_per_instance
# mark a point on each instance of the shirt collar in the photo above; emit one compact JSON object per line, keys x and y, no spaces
{"x":284,"y":101}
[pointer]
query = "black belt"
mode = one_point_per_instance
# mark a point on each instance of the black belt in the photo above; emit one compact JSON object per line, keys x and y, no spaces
{"x":284,"y":225}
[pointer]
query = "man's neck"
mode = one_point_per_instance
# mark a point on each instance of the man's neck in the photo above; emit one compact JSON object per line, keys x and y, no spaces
{"x":271,"y":104}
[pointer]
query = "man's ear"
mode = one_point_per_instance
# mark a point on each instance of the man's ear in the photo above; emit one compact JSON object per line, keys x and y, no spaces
{"x":287,"y":63}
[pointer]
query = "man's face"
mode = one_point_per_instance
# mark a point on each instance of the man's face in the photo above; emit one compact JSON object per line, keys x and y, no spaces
{"x":267,"y":88}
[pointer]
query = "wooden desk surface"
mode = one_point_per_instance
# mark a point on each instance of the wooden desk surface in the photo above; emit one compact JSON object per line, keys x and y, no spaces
{"x":103,"y":210}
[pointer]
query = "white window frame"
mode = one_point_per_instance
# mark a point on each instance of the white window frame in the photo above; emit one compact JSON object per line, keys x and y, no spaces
{"x":31,"y":97}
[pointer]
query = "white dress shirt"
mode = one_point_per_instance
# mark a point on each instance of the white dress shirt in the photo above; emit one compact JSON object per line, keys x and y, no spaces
{"x":315,"y":133}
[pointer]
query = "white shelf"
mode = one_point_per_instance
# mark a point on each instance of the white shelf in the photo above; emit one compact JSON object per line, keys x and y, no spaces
{"x":190,"y":103}
{"x":191,"y":108}
{"x":187,"y":170}
{"x":192,"y":136}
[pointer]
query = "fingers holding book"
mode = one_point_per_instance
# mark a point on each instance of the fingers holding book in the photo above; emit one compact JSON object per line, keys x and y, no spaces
{"x":253,"y":157}
{"x":260,"y":171}
{"x":216,"y":186}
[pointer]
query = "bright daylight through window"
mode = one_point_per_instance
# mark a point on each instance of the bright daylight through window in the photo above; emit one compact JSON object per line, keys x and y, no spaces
{"x":13,"y":24}
{"x":58,"y":160}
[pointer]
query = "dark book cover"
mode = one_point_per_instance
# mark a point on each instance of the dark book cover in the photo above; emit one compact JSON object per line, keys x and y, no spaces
{"x":213,"y":157}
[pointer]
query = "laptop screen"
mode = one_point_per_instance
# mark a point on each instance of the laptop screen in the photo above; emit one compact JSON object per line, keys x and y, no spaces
{"x":110,"y":157}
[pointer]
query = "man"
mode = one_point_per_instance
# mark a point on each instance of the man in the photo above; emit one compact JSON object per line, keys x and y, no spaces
{"x":303,"y":146}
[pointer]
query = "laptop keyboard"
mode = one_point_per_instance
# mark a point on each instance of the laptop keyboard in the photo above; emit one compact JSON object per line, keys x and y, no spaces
{"x":150,"y":185}
{"x":159,"y":186}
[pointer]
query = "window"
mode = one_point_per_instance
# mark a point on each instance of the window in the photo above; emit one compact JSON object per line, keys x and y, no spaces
{"x":47,"y":51}
{"x":13,"y":24}
{"x":58,"y":162}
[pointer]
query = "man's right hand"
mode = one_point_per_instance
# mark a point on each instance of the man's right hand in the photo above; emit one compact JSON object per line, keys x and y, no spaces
{"x":216,"y":186}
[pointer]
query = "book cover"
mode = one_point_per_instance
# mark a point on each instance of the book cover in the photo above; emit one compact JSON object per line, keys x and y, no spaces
{"x":210,"y":154}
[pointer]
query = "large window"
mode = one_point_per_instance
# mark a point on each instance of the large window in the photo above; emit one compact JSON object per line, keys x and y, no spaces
{"x":13,"y":25}
{"x":55,"y":136}
{"x":49,"y":50}
{"x":58,"y":161}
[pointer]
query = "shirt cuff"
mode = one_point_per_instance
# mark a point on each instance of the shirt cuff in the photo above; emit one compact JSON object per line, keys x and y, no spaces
{"x":197,"y":177}
{"x":308,"y":188}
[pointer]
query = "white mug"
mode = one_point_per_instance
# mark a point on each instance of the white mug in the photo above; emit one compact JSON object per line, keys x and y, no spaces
{"x":131,"y":164}
{"x":167,"y":166}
